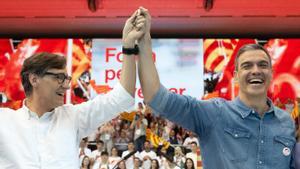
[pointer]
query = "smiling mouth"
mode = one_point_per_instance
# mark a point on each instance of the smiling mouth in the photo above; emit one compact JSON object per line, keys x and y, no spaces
{"x":256,"y":81}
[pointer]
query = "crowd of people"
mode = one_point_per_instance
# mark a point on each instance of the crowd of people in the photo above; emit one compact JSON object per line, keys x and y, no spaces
{"x":107,"y":147}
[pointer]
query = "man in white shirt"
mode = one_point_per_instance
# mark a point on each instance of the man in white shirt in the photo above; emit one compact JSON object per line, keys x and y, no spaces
{"x":45,"y":133}
{"x":139,"y":125}
{"x":147,"y":155}
{"x":97,"y":153}
{"x":83,"y":149}
{"x":130,"y":161}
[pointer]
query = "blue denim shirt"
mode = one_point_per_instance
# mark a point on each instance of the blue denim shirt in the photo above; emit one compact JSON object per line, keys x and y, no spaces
{"x":297,"y":155}
{"x":232,"y":135}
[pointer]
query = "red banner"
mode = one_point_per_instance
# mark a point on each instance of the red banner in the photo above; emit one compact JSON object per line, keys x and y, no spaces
{"x":12,"y":84}
{"x":286,"y":65}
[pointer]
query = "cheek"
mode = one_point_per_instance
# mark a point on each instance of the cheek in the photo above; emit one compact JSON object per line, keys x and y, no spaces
{"x":241,"y":80}
{"x":240,"y":76}
{"x":268,"y":78}
{"x":48,"y":90}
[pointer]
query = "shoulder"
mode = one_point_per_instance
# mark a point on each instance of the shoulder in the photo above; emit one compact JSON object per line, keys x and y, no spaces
{"x":65,"y":110}
{"x":219,"y":101}
{"x":7,"y":114}
{"x":214,"y":102}
{"x":8,"y":111}
{"x":284,"y":117}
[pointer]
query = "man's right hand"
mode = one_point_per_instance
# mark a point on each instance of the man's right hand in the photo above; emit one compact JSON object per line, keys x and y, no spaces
{"x":134,"y":29}
{"x":146,"y":38}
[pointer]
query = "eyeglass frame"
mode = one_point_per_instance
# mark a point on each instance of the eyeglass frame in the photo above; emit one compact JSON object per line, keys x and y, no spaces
{"x":59,"y":77}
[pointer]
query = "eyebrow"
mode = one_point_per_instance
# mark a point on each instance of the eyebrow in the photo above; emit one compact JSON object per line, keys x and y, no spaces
{"x":245,"y":63}
{"x":248,"y":62}
{"x":263,"y":61}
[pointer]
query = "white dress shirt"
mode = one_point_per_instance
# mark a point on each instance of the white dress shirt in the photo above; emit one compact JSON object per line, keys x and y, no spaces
{"x":86,"y":151}
{"x":52,"y":141}
{"x":147,"y":163}
{"x":130,"y":161}
{"x":96,"y":154}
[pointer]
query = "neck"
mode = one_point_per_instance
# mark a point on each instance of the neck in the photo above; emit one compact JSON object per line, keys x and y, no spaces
{"x":258,"y":103}
{"x":36,"y":105}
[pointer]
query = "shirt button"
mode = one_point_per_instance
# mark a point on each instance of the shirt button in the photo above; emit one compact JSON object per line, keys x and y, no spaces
{"x":260,"y":162}
{"x":236,"y":135}
{"x":262,"y":141}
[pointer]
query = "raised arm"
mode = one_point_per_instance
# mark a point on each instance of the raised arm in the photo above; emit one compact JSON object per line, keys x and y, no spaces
{"x":103,"y":108}
{"x":190,"y":113}
{"x":147,"y":71}
{"x":132,"y":32}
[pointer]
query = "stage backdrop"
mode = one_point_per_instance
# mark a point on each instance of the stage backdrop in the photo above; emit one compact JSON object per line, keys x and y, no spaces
{"x":186,"y":66}
{"x":179,"y":63}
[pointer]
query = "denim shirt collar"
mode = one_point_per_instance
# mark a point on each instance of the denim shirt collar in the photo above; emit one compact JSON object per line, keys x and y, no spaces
{"x":246,"y":111}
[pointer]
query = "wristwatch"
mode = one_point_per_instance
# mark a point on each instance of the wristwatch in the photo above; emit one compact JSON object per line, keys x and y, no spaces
{"x":131,"y":51}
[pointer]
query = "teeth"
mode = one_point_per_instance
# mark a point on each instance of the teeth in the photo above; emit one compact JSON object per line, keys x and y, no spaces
{"x":256,"y":81}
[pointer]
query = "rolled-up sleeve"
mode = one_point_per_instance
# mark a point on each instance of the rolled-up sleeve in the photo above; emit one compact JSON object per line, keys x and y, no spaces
{"x":159,"y":101}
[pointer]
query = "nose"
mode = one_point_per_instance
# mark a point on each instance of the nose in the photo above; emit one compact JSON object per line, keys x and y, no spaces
{"x":66,"y":85}
{"x":256,"y":70}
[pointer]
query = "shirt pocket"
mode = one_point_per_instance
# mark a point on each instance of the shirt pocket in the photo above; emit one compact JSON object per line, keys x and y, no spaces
{"x":282,"y":150}
{"x":236,"y":144}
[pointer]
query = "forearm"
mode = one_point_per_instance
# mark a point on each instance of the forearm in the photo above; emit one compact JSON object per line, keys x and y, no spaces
{"x":128,"y":74}
{"x":147,"y":71}
{"x":132,"y":125}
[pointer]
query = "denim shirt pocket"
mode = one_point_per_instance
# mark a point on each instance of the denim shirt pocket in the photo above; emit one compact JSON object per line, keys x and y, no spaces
{"x":236,"y":144}
{"x":283,"y":147}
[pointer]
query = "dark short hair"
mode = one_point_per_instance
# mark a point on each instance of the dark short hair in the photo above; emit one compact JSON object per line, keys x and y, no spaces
{"x":194,"y":142}
{"x":104,"y":153}
{"x":131,"y":142}
{"x":99,"y":141}
{"x":38,"y":64}
{"x":249,"y":47}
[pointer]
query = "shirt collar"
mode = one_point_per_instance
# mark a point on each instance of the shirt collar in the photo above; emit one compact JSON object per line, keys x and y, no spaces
{"x":32,"y":114}
{"x":246,"y":111}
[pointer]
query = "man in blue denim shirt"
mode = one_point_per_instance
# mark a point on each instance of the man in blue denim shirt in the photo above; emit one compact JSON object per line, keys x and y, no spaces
{"x":248,"y":132}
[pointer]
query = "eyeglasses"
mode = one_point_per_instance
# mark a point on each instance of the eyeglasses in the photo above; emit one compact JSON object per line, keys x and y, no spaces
{"x":61,"y":77}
